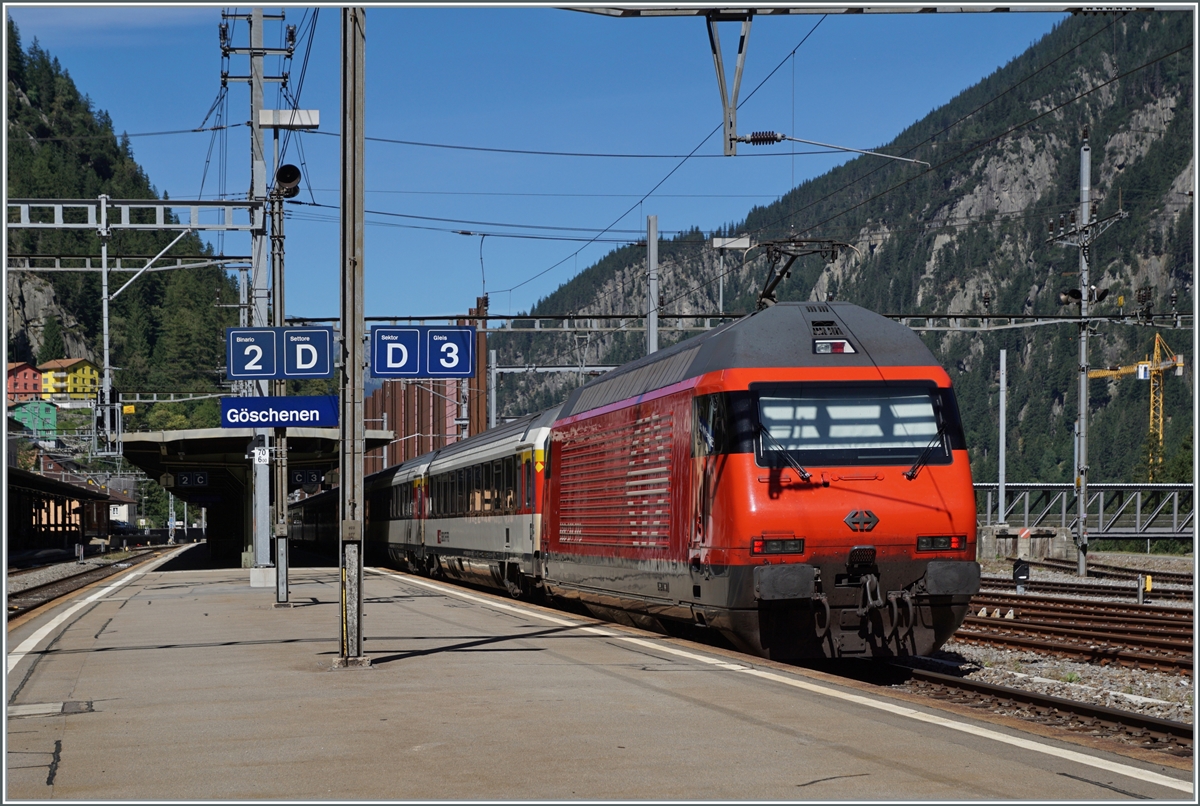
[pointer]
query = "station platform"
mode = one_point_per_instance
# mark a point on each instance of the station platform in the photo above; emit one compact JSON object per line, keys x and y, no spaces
{"x":178,"y":682}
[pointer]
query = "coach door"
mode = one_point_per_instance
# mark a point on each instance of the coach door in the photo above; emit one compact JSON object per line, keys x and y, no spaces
{"x":415,"y":523}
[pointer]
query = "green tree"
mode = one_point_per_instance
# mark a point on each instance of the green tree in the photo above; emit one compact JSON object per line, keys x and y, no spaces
{"x":52,"y":341}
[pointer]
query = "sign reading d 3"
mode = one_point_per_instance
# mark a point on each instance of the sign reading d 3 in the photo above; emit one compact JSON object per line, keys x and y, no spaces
{"x":423,"y":351}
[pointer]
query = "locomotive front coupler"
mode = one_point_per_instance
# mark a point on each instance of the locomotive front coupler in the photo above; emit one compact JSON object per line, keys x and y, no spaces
{"x":871,"y":598}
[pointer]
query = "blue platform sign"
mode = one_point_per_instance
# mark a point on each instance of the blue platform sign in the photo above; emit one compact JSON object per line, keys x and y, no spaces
{"x":274,"y":353}
{"x":279,"y":412}
{"x":423,"y":351}
{"x":450,"y":352}
{"x":308,"y":352}
{"x":251,"y":353}
{"x":395,"y":352}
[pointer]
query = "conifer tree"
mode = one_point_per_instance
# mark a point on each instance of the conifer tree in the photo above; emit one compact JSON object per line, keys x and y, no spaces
{"x":52,"y":341}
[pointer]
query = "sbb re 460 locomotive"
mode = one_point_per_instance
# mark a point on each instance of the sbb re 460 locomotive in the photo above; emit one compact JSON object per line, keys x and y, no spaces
{"x":796,"y":479}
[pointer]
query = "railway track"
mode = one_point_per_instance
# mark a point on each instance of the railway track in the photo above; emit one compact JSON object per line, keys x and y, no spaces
{"x":1083,"y":589}
{"x":23,"y":601}
{"x":1157,"y":650}
{"x":1127,"y":727}
{"x":1051,"y":606}
{"x":1105,"y":571}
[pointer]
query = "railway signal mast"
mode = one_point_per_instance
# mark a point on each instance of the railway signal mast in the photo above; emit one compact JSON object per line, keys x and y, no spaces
{"x":1081,"y":235}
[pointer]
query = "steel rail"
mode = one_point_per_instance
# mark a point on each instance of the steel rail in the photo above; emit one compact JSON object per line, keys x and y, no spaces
{"x":1105,"y":571}
{"x":1155,"y":733}
{"x":23,"y":601}
{"x":1082,"y":589}
{"x":1089,"y":652}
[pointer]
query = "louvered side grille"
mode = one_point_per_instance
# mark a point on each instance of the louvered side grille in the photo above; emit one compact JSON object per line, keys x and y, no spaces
{"x":617,"y":489}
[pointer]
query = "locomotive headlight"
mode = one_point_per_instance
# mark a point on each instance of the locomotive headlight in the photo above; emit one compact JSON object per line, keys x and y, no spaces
{"x":830,"y":346}
{"x":770,"y":545}
{"x":942,"y":543}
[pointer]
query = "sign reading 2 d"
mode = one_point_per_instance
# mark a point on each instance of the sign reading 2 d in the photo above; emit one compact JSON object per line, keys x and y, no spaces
{"x":272,"y":353}
{"x":423,"y":351}
{"x":279,"y":412}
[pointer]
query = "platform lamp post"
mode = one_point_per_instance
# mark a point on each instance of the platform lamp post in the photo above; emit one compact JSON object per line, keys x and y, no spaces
{"x":287,"y":185}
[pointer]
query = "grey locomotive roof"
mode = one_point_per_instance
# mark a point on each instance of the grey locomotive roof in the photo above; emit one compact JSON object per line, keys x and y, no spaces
{"x":780,"y":336}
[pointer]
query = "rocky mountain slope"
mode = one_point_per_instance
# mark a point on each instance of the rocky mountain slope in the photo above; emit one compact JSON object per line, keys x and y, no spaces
{"x":970,"y":232}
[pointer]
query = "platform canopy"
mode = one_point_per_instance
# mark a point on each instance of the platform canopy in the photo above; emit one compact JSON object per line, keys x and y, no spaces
{"x":222,"y":452}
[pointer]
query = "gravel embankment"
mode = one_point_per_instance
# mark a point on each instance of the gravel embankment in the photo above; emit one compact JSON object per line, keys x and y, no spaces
{"x":1159,"y":694}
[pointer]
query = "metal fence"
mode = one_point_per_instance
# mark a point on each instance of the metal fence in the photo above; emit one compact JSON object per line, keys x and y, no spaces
{"x":1114,"y":511}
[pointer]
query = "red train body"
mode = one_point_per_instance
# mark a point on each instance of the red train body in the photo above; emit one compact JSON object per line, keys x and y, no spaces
{"x":672,"y":504}
{"x":797,"y":480}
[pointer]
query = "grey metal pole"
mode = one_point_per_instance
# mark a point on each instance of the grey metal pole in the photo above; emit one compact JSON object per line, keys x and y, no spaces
{"x":106,"y":381}
{"x":258,"y":281}
{"x":1003,"y":430}
{"x":350,"y":480}
{"x":721,"y":291}
{"x":491,"y":388}
{"x":1085,"y":185}
{"x":279,"y":463}
{"x":652,"y":291}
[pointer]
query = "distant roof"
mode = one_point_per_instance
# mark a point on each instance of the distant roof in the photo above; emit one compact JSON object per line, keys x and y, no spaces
{"x":44,"y":484}
{"x":63,"y":363}
{"x":18,"y":364}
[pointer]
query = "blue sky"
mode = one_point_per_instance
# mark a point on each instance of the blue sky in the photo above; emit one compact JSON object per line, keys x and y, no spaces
{"x":536,"y":79}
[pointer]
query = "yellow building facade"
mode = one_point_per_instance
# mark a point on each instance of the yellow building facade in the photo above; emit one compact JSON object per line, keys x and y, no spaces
{"x":69,"y":379}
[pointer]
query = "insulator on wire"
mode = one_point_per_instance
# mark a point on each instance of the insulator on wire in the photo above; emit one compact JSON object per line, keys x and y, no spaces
{"x":764,"y":138}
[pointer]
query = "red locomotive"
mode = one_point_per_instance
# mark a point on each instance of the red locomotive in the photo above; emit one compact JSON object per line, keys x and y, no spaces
{"x":796,"y":479}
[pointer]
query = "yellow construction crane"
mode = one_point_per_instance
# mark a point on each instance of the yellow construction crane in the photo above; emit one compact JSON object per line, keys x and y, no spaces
{"x":1150,"y":370}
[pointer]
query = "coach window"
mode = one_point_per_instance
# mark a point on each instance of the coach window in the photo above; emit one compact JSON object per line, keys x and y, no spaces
{"x":510,"y":493}
{"x":498,"y":485}
{"x":489,"y":488}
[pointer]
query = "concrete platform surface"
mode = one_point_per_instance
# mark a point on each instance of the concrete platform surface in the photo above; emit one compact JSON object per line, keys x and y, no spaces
{"x":190,"y":685}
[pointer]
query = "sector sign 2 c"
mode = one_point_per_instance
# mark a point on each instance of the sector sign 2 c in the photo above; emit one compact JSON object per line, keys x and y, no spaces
{"x":273,"y":353}
{"x":423,"y":351}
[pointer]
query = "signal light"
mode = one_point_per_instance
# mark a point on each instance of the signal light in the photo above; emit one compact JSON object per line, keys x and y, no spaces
{"x":790,"y":545}
{"x":942,"y":543}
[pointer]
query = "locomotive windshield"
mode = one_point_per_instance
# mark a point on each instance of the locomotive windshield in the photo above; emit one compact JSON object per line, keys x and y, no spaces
{"x":856,"y":425}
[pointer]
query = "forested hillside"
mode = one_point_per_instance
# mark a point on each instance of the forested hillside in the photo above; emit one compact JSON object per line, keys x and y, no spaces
{"x":1004,"y":159}
{"x":166,"y":332}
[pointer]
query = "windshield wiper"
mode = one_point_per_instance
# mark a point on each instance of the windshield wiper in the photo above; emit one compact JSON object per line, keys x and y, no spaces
{"x":787,"y":457}
{"x":913,"y":471}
